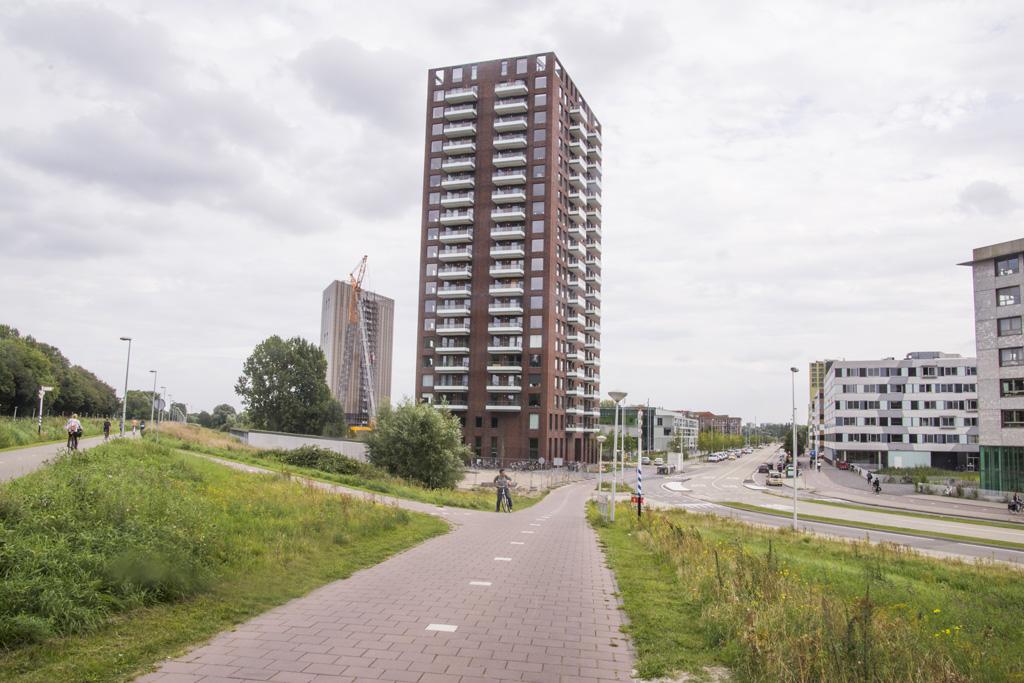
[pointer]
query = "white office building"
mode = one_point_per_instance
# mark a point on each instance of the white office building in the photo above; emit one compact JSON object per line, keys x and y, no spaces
{"x":918,"y":411}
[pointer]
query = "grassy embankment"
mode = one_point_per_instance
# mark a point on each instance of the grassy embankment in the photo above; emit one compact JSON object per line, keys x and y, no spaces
{"x":22,"y":431}
{"x":779,"y":606}
{"x":117,"y":558}
{"x":922,"y":475}
{"x":329,"y":467}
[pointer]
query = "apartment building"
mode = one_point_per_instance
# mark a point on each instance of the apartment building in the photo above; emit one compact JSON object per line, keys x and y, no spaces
{"x":509,"y":334}
{"x":660,"y":427}
{"x":816,"y":372}
{"x":921,"y":410}
{"x":344,"y":351}
{"x":1000,"y":346}
{"x":721,"y":424}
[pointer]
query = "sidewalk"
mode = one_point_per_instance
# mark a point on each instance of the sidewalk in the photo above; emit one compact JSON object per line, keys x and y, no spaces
{"x":520,"y":597}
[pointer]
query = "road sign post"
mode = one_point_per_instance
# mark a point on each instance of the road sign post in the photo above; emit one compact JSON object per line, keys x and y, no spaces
{"x":42,"y":392}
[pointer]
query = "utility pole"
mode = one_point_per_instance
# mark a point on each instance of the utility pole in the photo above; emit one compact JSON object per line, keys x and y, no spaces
{"x":796,"y":471}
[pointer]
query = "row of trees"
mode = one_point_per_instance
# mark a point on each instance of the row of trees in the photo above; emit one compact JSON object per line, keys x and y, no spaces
{"x":26,"y":364}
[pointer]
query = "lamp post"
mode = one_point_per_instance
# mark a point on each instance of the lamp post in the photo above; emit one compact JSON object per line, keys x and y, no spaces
{"x":616,"y":396}
{"x":796,"y":472}
{"x":639,"y":460}
{"x":601,"y":438}
{"x":152,"y":399}
{"x":127,"y":364}
{"x":163,"y":404}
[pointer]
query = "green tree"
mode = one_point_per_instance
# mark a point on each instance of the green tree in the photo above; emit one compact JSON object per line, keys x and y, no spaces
{"x":283,"y":387}
{"x":419,"y":441}
{"x":801,"y":439}
{"x":222,"y":417}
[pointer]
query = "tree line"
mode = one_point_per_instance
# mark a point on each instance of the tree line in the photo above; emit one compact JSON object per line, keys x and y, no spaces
{"x":27,"y":364}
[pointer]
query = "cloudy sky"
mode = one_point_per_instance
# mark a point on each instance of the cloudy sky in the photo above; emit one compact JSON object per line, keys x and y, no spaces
{"x":783,"y":180}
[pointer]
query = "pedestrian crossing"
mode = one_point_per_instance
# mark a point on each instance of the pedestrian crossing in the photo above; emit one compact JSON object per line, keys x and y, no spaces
{"x":696,"y":507}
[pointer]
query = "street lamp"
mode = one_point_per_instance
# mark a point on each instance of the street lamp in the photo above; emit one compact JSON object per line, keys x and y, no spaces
{"x":152,"y":400}
{"x":127,"y":364}
{"x":796,"y":471}
{"x":617,"y":396}
{"x":601,"y":438}
{"x":163,"y":403}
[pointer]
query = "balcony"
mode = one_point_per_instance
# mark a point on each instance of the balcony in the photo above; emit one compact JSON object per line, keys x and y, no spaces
{"x":508,"y":213}
{"x":592,"y":344}
{"x":594,"y":167}
{"x":593,"y":183}
{"x":594,"y":214}
{"x":510,"y":142}
{"x":453,"y":310}
{"x":458,"y":347}
{"x":594,"y":278}
{"x":577,"y":216}
{"x":594,"y":245}
{"x":594,"y":137}
{"x":460,"y":95}
{"x":576,"y":410}
{"x":461,"y":146}
{"x":575,"y":302}
{"x":574,"y":337}
{"x":453,"y":369}
{"x":509,"y":159}
{"x":579,"y":267}
{"x":593,"y":310}
{"x":460,"y":129}
{"x":456,"y":328}
{"x":574,"y":318}
{"x":513,"y":231}
{"x":507,"y":270}
{"x":593,"y":361}
{"x":509,"y":288}
{"x":578,"y":249}
{"x":578,"y":164}
{"x":594,"y":152}
{"x":504,"y":388}
{"x":455,"y":273}
{"x":577,"y":114}
{"x":458,"y":182}
{"x":574,"y":355}
{"x":451,"y":387}
{"x":510,"y":347}
{"x":453,"y":407}
{"x":508,"y":196}
{"x":577,"y":199}
{"x":594,"y":199}
{"x":457,"y":217}
{"x":458,"y":164}
{"x":578,"y":232}
{"x":576,"y":282}
{"x":506,"y":107}
{"x":457,"y":200}
{"x":501,"y":178}
{"x":460,"y":112}
{"x":593,"y":295}
{"x":508,"y":251}
{"x":501,"y":367}
{"x":453,"y":254}
{"x":578,"y":130}
{"x":505,"y":309}
{"x":593,"y":326}
{"x":505,"y":327}
{"x":515,"y":88}
{"x":578,"y":181}
{"x":452,"y":291}
{"x":503,"y":406}
{"x":456,"y":236}
{"x":506,"y":124}
{"x":577,"y":147}
{"x":575,"y":391}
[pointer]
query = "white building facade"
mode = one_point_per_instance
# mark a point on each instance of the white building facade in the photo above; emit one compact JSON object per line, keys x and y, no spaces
{"x":921,"y":411}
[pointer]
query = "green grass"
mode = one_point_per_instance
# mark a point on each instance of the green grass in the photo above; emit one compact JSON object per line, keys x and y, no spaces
{"x":921,"y":515}
{"x":924,"y":474}
{"x":345,"y":471}
{"x":117,"y":558}
{"x":878,"y":527}
{"x":23,"y":431}
{"x":774,"y":605}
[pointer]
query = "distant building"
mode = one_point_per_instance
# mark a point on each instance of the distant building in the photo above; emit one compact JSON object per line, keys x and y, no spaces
{"x":920,"y":411}
{"x":660,"y":427}
{"x":345,"y":379}
{"x":998,"y":310}
{"x":816,"y":372}
{"x":720,"y":424}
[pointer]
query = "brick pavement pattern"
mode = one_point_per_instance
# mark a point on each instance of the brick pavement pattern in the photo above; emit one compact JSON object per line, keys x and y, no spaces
{"x":549,"y":612}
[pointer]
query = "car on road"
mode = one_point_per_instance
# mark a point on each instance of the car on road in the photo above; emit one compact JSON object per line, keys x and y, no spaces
{"x":764,"y":468}
{"x":658,"y":462}
{"x":645,"y":460}
{"x":842,"y":465}
{"x":774,"y":479}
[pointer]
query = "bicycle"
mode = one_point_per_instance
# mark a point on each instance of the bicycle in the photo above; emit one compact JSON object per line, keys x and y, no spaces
{"x":72,"y":441}
{"x":504,"y":501}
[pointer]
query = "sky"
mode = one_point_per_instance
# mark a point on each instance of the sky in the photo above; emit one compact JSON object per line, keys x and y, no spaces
{"x":783,"y":181}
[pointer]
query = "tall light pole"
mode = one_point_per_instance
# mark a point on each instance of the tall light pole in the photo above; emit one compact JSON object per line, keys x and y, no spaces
{"x":163,"y":403}
{"x":127,"y":364}
{"x":617,"y":396}
{"x":152,"y":399}
{"x":639,"y":460}
{"x":601,"y":438}
{"x":796,"y":472}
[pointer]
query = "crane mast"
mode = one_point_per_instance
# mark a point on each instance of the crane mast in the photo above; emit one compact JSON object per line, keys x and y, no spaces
{"x":357,"y":327}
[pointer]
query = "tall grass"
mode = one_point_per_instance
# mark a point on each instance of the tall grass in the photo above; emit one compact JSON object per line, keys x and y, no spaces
{"x":327,"y":465}
{"x":779,"y":606}
{"x":23,"y":431}
{"x":130,"y":524}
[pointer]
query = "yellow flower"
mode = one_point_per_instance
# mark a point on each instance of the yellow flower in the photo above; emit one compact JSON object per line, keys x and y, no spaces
{"x":936,"y":610}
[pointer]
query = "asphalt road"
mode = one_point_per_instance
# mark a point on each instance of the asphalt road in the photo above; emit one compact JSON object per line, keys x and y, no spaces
{"x":20,"y":461}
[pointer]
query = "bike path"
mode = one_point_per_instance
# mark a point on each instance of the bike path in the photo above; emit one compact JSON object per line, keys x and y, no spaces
{"x":20,"y":461}
{"x":503,"y":597}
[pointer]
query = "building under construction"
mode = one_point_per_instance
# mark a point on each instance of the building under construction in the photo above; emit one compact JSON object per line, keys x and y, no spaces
{"x":348,"y":313}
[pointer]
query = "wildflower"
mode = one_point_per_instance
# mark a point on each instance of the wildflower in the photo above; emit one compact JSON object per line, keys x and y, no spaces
{"x":936,"y":611}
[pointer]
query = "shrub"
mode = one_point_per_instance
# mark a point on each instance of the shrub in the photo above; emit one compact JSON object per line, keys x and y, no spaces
{"x":418,"y":441}
{"x":316,"y":458}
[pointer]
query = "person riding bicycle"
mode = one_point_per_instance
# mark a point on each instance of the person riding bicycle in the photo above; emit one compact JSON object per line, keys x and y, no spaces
{"x":502,"y":483}
{"x":877,"y":485}
{"x":1016,"y":503}
{"x":106,"y":429}
{"x":74,"y":430}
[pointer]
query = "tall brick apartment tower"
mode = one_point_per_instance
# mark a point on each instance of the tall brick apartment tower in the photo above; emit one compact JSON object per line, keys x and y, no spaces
{"x":510,"y":259}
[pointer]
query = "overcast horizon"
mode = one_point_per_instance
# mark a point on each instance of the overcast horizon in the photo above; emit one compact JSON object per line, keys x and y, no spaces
{"x":783,"y":182}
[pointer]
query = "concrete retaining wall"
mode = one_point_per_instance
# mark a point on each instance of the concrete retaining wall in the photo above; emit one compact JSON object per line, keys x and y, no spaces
{"x":260,"y":439}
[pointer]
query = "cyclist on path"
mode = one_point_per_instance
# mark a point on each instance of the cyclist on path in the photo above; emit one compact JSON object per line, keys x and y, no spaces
{"x":503,"y":482}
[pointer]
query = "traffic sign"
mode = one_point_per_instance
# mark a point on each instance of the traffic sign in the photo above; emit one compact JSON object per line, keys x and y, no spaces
{"x":636,"y":499}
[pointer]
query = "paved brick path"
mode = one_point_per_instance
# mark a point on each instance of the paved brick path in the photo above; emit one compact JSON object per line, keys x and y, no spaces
{"x":520,"y":597}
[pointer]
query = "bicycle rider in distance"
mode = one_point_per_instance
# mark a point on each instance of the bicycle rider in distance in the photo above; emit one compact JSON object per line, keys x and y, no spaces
{"x":502,"y":483}
{"x":74,"y":430}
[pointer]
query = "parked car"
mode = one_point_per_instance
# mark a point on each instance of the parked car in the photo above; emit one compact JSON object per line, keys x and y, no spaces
{"x":658,"y":462}
{"x":774,"y":479}
{"x":764,"y":468}
{"x":842,"y":465}
{"x":645,"y":460}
